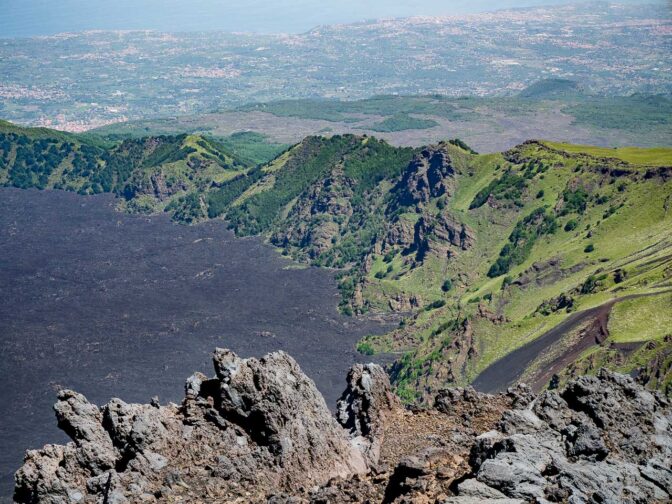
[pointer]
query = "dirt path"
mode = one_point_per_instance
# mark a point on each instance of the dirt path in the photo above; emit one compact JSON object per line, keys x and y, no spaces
{"x":508,"y":370}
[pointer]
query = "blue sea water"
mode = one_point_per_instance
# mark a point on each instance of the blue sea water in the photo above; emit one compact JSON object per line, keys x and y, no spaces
{"x":24,"y":18}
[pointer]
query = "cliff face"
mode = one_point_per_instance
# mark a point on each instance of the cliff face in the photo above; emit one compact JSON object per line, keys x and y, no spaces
{"x":430,"y":174}
{"x":260,"y":432}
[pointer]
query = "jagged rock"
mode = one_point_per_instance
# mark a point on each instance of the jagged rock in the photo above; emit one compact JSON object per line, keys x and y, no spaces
{"x":429,"y":175}
{"x":82,"y":421}
{"x":280,"y":407}
{"x":521,"y":395}
{"x":480,"y":500}
{"x":47,"y":475}
{"x":364,"y":406}
{"x":260,"y":426}
{"x":260,"y":432}
{"x":474,"y":488}
{"x":401,"y":232}
{"x":470,"y":402}
{"x":602,"y":439}
{"x":404,"y":303}
{"x":429,"y":472}
{"x":439,"y":234}
{"x":485,"y":313}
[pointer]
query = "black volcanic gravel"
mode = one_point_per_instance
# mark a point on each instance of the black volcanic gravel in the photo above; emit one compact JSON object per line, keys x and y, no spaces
{"x":114,"y":305}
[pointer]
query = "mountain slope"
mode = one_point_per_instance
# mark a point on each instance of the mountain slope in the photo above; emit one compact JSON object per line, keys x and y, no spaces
{"x":557,"y":231}
{"x":535,"y":264}
{"x":150,"y":174}
{"x":483,"y":254}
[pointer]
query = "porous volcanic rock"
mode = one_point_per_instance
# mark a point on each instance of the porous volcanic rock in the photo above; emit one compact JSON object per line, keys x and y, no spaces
{"x":259,"y":427}
{"x":364,"y":406}
{"x":260,"y":432}
{"x":603,"y":438}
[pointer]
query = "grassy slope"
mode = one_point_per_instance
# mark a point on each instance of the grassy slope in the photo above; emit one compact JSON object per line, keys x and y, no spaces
{"x":633,"y":155}
{"x":625,"y":221}
{"x":639,"y":222}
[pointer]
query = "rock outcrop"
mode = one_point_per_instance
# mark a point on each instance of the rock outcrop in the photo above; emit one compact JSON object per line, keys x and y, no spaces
{"x":364,"y":406}
{"x":431,"y":174}
{"x":602,"y":439}
{"x":260,"y":432}
{"x":260,"y":426}
{"x":315,"y":221}
{"x":440,"y":234}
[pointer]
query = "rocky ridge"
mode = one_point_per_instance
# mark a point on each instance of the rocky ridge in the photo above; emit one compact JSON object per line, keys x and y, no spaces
{"x":259,"y":431}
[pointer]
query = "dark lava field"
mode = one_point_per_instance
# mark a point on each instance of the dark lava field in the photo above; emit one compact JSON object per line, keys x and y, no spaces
{"x":114,"y":305}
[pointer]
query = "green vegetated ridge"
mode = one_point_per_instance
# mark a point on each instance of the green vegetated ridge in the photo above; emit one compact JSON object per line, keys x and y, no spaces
{"x":150,"y":174}
{"x":480,"y":254}
{"x":476,"y":255}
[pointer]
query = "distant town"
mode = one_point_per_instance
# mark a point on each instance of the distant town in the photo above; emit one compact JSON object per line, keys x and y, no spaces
{"x":76,"y":82}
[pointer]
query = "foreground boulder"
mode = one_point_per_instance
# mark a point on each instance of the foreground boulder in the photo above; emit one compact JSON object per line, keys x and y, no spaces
{"x":603,"y":438}
{"x":259,"y":427}
{"x":260,"y":432}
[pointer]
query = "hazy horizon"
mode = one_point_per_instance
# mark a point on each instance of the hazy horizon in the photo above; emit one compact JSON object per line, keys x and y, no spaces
{"x":27,"y":18}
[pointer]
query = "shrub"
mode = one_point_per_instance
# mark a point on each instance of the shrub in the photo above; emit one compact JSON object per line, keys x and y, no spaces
{"x":589,"y":285}
{"x":620,"y":275}
{"x":436,"y":304}
{"x":575,"y":201}
{"x":540,"y":194}
{"x":589,"y":248}
{"x":509,"y":187}
{"x":447,"y":285}
{"x":365,"y":348}
{"x":571,"y":225}
{"x":462,"y":145}
{"x":522,"y":239}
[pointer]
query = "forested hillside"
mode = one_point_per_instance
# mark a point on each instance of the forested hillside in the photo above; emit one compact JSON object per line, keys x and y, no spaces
{"x":149,"y":174}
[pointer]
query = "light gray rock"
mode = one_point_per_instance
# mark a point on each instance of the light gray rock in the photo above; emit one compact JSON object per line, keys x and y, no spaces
{"x":261,"y":430}
{"x":280,"y":407}
{"x":82,"y":421}
{"x":260,"y":426}
{"x":363,"y":407}
{"x":557,"y":447}
{"x":474,"y":488}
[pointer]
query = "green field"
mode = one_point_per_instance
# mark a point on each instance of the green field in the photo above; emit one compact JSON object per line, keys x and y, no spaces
{"x":635,"y":155}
